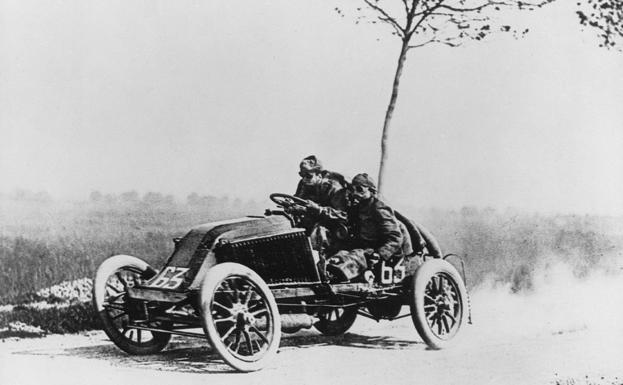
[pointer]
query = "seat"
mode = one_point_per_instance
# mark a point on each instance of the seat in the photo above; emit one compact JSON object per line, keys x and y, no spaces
{"x":422,"y":240}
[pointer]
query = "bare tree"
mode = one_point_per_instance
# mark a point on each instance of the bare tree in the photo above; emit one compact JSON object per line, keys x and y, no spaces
{"x":418,"y":23}
{"x":605,"y":16}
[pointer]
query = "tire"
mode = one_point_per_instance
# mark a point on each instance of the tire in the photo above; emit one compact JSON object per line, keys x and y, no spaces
{"x":437,"y":299}
{"x":236,"y":306}
{"x":110,"y":302}
{"x":336,"y":321}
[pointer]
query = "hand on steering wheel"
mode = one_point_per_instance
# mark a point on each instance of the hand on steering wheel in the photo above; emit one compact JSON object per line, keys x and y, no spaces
{"x":286,"y":200}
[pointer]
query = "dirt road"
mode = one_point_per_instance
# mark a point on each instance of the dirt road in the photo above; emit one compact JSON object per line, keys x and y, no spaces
{"x":553,"y":337}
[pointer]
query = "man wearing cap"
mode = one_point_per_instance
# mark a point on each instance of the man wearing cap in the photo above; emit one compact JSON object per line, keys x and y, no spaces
{"x":375,"y":232}
{"x":325,"y":192}
{"x":319,"y":185}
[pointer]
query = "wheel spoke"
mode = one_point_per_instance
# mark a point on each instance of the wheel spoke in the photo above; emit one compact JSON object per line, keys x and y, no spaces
{"x":114,"y":298}
{"x":121,"y":279}
{"x":214,"y":302}
{"x":431,"y":315}
{"x":259,"y":333}
{"x":445,"y":324}
{"x":231,"y":329}
{"x":227,"y":319}
{"x":259,"y":347}
{"x":430,"y":288}
{"x":236,"y":293}
{"x":115,"y":306}
{"x":451,"y":317}
{"x":226,"y":285}
{"x":437,"y":283}
{"x":247,"y":339}
{"x":118,"y":316}
{"x":113,"y":288}
{"x":247,"y":297}
{"x":428,"y":297}
{"x":227,"y":292}
{"x":257,"y":312}
{"x":238,"y":341}
{"x":441,"y":283}
{"x":251,"y":309}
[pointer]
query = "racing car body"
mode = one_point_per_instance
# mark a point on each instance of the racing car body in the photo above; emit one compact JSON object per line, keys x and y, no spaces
{"x":244,"y":281}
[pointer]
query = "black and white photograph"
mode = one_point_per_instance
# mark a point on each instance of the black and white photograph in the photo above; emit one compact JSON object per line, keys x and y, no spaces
{"x":311,"y":192}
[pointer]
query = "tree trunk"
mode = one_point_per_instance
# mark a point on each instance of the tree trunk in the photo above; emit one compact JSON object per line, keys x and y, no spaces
{"x":390,"y":112}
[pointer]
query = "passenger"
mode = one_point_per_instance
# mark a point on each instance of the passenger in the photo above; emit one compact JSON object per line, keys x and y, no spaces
{"x":375,"y":233}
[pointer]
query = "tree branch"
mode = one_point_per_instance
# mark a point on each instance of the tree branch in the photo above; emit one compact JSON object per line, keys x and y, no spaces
{"x":452,"y":42}
{"x":421,"y":44}
{"x":399,"y":30}
{"x":424,"y":15}
{"x":489,"y":3}
{"x":474,"y":9}
{"x":406,"y":4}
{"x":386,"y":17}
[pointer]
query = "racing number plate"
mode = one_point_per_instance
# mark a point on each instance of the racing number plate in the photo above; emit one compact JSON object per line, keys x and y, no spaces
{"x":170,"y":277}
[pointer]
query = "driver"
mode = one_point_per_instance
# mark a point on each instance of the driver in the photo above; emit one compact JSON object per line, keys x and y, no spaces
{"x":320,"y":186}
{"x":325,"y":193}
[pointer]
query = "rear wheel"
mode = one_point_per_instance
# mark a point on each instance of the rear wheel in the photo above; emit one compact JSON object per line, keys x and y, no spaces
{"x":240,"y":316}
{"x":437,"y":301}
{"x":112,"y":280}
{"x":336,"y":321}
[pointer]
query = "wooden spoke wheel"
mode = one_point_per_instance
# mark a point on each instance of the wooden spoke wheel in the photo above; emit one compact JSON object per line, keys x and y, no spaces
{"x":437,"y":301}
{"x":240,"y":316}
{"x":112,"y":280}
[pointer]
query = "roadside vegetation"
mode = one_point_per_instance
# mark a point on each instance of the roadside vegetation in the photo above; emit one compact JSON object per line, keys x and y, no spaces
{"x":49,"y":250}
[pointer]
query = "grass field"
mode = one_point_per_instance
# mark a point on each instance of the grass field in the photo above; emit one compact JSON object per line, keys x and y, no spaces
{"x":44,"y":243}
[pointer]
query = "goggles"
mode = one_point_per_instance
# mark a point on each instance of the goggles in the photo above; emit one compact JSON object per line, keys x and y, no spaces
{"x":306,"y":175}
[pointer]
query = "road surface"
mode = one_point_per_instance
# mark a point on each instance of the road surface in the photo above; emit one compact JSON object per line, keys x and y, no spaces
{"x":565,"y":335}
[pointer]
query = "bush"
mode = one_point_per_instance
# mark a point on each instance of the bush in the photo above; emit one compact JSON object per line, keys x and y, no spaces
{"x":71,"y":318}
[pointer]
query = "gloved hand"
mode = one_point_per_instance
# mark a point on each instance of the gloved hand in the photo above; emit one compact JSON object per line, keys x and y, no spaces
{"x":303,"y":208}
{"x":312,"y":207}
{"x":296,"y":209}
{"x":334,"y":260}
{"x":372,"y":257}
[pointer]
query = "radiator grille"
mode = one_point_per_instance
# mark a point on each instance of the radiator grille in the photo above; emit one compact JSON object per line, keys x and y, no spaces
{"x":284,"y":258}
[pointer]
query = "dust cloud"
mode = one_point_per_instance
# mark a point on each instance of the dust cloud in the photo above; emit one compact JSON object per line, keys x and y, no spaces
{"x":558,"y":303}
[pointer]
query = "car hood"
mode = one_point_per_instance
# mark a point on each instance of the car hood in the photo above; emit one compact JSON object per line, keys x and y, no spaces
{"x":201,"y":239}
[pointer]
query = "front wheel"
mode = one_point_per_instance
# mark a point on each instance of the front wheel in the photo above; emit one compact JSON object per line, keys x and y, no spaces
{"x":112,"y":280}
{"x":437,"y":301}
{"x":240,"y":316}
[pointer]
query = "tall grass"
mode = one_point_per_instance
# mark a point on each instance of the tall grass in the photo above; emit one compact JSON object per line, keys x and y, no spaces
{"x":44,"y":243}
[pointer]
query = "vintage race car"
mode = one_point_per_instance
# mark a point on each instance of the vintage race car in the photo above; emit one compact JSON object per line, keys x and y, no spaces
{"x":245,"y":281}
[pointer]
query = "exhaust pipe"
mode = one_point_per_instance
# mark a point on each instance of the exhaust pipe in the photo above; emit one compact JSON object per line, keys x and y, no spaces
{"x":290,"y":323}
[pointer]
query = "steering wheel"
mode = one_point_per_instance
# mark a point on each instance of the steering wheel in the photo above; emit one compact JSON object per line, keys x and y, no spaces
{"x":285,"y":200}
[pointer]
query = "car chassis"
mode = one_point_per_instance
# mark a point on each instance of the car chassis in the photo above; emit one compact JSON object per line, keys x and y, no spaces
{"x":244,"y":281}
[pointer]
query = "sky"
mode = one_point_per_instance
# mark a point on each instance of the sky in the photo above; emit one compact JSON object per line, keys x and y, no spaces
{"x":221,"y":97}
